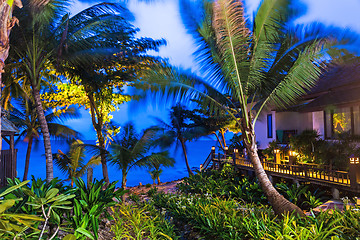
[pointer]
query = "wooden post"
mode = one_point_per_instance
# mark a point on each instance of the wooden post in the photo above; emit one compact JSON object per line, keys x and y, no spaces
{"x":226,"y":149}
{"x":213,"y":156}
{"x":277,"y":156}
{"x":12,"y":157}
{"x":235,"y":156}
{"x":354,"y":172}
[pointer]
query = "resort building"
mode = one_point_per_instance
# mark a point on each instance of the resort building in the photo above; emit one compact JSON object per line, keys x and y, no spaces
{"x":332,"y":107}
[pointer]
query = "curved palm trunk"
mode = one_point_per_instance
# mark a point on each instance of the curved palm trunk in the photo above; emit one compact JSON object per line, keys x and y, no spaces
{"x":46,"y":135}
{"x":158,"y":179}
{"x":27,"y":159}
{"x":280,"y":204}
{"x":186,"y":158}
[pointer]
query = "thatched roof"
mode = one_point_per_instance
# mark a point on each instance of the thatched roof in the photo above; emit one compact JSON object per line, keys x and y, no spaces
{"x":8,"y":127}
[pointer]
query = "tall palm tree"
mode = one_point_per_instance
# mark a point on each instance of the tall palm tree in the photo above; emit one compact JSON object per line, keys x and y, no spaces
{"x":73,"y":163}
{"x":34,"y":45}
{"x":248,"y":66}
{"x":116,"y":59}
{"x":25,"y":118}
{"x":180,"y":130}
{"x":6,"y":24}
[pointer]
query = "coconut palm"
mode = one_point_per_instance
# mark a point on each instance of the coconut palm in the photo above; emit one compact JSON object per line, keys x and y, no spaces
{"x":73,"y":163}
{"x":248,"y":66}
{"x":25,"y":118}
{"x":180,"y":130}
{"x":158,"y":160}
{"x":131,"y":150}
{"x":99,"y":60}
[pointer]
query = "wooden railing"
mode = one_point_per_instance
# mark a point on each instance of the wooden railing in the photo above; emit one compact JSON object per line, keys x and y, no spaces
{"x":298,"y":171}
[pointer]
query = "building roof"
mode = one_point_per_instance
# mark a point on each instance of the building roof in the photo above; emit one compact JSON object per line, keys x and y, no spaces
{"x":8,"y":126}
{"x":339,"y":86}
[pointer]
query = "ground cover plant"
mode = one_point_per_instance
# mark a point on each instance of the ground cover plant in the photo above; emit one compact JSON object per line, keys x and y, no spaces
{"x":141,"y":222}
{"x":219,"y":218}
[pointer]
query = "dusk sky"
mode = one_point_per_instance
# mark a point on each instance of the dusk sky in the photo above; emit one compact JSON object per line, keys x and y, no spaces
{"x":161,"y":19}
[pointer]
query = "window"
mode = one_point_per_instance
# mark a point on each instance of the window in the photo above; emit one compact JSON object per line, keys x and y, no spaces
{"x":342,"y":120}
{"x":269,"y":126}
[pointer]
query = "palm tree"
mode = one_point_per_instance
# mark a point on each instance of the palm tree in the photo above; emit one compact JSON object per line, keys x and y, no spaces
{"x":25,"y":117}
{"x":6,"y":24}
{"x":248,"y":67}
{"x":158,"y":160}
{"x":34,"y":43}
{"x":132,"y":150}
{"x":180,"y":130}
{"x":73,"y":163}
{"x":99,"y":60}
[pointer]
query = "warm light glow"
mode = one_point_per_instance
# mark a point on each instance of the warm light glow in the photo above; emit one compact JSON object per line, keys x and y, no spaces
{"x":213,"y":148}
{"x":354,"y":160}
{"x":293,"y":153}
{"x":226,"y":148}
{"x":235,"y":150}
{"x":276,"y":151}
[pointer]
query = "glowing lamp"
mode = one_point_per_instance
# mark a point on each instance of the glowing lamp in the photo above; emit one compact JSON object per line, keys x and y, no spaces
{"x":213,"y":148}
{"x":293,"y":153}
{"x":276,"y":151}
{"x":354,"y":160}
{"x":226,"y":148}
{"x":236,"y":150}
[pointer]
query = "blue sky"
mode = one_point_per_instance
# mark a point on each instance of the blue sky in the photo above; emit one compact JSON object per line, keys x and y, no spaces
{"x":162,"y":20}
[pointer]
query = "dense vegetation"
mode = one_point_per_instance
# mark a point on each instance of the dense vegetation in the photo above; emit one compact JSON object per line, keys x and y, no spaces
{"x":214,"y":204}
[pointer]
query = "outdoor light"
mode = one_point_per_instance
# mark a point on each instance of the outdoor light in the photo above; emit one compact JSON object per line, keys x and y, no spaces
{"x":226,"y":148}
{"x":213,"y":148}
{"x":276,"y":151}
{"x":236,"y":150}
{"x":293,"y":153}
{"x":354,"y":160}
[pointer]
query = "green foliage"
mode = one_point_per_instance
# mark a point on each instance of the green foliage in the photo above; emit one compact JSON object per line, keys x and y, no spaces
{"x":73,"y":163}
{"x":90,"y":202}
{"x":217,"y":218}
{"x":312,"y":149}
{"x":132,"y":222}
{"x":227,"y":184}
{"x":12,"y":224}
{"x":152,"y":191}
{"x":292,"y":193}
{"x":131,"y":150}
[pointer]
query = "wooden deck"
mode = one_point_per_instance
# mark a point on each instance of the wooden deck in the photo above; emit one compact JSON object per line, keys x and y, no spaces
{"x":313,"y":174}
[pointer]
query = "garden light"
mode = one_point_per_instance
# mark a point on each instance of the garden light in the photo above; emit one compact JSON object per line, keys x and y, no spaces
{"x":354,"y":160}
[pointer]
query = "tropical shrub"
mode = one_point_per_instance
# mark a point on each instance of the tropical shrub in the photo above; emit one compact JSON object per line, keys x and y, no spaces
{"x":140,"y":222}
{"x":226,"y":183}
{"x":91,"y":202}
{"x":12,"y":224}
{"x":217,"y":218}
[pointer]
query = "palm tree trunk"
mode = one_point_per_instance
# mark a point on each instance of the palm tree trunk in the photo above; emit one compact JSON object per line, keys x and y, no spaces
{"x":280,"y":204}
{"x":186,"y":158}
{"x":46,"y":135}
{"x":6,"y":24}
{"x":124,"y":180}
{"x":158,"y":179}
{"x":27,"y":159}
{"x":98,"y":127}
